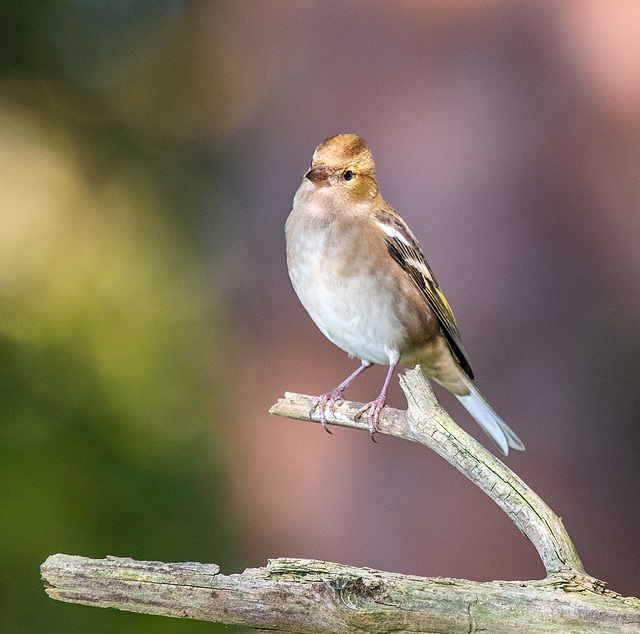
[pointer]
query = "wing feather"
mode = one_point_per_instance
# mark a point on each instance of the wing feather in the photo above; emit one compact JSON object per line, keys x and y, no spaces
{"x":405,"y":250}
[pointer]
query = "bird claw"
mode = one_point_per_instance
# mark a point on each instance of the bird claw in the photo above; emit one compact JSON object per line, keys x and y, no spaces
{"x":373,"y":410}
{"x":321,"y":402}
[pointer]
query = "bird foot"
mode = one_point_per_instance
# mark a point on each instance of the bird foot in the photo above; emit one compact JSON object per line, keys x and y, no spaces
{"x":373,"y":410}
{"x":321,"y":402}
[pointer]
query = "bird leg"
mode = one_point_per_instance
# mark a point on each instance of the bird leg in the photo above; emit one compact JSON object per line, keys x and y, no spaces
{"x":374,"y":408}
{"x":335,"y":395}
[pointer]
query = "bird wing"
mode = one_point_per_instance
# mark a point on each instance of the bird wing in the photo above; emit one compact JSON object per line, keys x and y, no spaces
{"x":405,"y":250}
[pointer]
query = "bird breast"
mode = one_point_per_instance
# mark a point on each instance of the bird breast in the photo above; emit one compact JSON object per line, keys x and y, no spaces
{"x":352,"y":301}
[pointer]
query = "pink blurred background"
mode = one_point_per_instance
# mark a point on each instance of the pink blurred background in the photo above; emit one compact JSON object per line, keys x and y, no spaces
{"x":149,"y":154}
{"x":508,"y":137}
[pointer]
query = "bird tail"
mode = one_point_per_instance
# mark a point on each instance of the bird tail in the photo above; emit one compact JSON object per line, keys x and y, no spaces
{"x":501,"y":434}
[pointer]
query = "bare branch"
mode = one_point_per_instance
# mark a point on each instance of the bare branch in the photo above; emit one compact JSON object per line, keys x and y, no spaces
{"x":428,"y":423}
{"x":306,"y":596}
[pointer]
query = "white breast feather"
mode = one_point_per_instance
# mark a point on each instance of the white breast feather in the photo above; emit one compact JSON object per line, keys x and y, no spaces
{"x":366,"y":333}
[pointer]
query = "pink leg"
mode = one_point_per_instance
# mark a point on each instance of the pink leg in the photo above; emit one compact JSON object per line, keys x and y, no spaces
{"x":334,"y":395}
{"x":374,"y":407}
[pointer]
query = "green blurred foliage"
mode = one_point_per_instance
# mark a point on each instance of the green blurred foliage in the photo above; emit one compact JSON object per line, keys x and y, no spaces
{"x":111,"y":392}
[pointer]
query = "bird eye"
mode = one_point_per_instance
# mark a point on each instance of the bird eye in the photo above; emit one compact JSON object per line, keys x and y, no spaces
{"x":348,"y":175}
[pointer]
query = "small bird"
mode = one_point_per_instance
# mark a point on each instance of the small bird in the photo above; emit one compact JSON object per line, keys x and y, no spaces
{"x":361,"y":275}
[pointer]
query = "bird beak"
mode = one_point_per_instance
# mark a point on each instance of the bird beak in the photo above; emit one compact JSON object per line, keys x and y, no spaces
{"x":318,"y":175}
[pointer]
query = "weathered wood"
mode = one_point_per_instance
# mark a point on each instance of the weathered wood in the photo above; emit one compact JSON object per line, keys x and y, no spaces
{"x":428,"y":423}
{"x":307,"y":596}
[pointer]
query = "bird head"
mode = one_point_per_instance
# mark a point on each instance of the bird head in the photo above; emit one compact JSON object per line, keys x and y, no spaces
{"x":343,"y":164}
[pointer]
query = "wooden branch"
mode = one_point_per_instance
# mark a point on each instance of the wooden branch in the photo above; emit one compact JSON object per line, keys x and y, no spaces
{"x":306,"y":596}
{"x":428,"y":423}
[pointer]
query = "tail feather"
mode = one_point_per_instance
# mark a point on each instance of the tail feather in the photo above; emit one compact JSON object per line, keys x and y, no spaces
{"x":491,"y":423}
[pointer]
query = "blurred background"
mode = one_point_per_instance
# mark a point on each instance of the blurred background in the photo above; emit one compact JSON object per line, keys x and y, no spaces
{"x":149,"y":153}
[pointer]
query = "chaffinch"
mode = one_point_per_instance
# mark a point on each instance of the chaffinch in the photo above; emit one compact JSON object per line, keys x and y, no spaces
{"x":361,"y":275}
